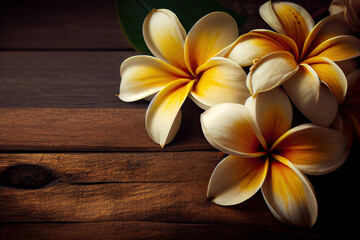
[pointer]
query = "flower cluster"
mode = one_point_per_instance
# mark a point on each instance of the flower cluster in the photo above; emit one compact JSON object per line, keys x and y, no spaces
{"x":249,"y":116}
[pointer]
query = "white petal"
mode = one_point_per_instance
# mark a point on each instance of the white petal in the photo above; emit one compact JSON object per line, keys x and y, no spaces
{"x":311,"y":97}
{"x":162,"y":117}
{"x":289,"y":194}
{"x":271,"y":71}
{"x":288,"y":18}
{"x":222,"y":81}
{"x":236,"y":179}
{"x":273,"y":114}
{"x":313,"y":149}
{"x":165,"y":36}
{"x":143,"y":76}
{"x":230,"y":128}
{"x":211,"y":34}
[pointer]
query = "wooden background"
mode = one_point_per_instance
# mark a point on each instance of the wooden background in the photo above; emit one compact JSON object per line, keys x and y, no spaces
{"x":76,"y":162}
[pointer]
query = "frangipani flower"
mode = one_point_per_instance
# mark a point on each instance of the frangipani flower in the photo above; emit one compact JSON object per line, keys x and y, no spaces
{"x":351,"y":11}
{"x":300,"y":56}
{"x":347,"y":120}
{"x":265,"y":153}
{"x":183,"y":65}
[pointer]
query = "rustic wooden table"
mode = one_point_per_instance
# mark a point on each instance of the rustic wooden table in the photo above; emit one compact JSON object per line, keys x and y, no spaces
{"x":76,"y":162}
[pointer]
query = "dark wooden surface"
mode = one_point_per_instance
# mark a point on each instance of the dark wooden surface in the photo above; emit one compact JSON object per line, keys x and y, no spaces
{"x":76,"y":162}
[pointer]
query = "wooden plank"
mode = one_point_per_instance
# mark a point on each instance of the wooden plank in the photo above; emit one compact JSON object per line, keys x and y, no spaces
{"x":62,"y":79}
{"x":120,"y":167}
{"x":138,"y":230}
{"x":82,"y":24}
{"x":75,"y":80}
{"x":160,"y":187}
{"x":155,"y":187}
{"x":108,"y":129}
{"x":78,"y":24}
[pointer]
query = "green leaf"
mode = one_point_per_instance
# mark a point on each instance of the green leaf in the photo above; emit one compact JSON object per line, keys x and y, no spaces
{"x":131,"y":14}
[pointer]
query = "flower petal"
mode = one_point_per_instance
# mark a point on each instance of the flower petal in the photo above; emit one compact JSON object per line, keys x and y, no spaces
{"x":162,"y":116}
{"x":311,"y":97}
{"x":349,"y":8}
{"x":327,"y":28}
{"x":165,"y":36}
{"x":351,"y":105}
{"x":344,"y":124}
{"x":264,"y":76}
{"x":312,"y":149}
{"x":289,"y":194}
{"x":353,"y":119}
{"x":142,"y":76}
{"x":273,"y":114}
{"x":258,"y":43}
{"x":352,"y":95}
{"x":338,"y":48}
{"x":348,"y":66}
{"x":230,"y":128}
{"x":207,"y":37}
{"x":222,"y":80}
{"x":236,"y":179}
{"x":330,"y":74}
{"x":336,"y":7}
{"x":288,"y":18}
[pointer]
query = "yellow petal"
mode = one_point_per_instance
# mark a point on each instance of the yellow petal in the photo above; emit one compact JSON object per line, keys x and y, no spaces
{"x":230,"y":128}
{"x":311,"y":97}
{"x":330,"y":74}
{"x":222,"y":80}
{"x":258,"y":43}
{"x":273,"y":114}
{"x":208,"y":37}
{"x":162,"y":116}
{"x":327,"y":28}
{"x":236,"y":179}
{"x":289,"y":194}
{"x":271,"y":71}
{"x":288,"y":18}
{"x":142,"y":76}
{"x":312,"y":149}
{"x":338,"y":48}
{"x":165,"y":36}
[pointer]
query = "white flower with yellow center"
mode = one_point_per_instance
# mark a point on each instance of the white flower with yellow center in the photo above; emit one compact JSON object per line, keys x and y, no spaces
{"x":265,"y":153}
{"x":184,"y":65}
{"x":300,"y":56}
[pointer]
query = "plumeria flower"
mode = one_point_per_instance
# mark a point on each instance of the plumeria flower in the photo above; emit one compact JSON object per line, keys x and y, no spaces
{"x":300,"y":56}
{"x":351,"y":11}
{"x":265,"y":153}
{"x":184,"y":65}
{"x":347,"y":120}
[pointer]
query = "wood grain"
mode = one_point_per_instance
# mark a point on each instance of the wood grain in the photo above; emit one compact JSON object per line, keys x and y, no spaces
{"x":168,"y":187}
{"x":120,"y":166}
{"x":62,"y":79}
{"x":81,"y":24}
{"x":92,"y":171}
{"x":139,"y":230}
{"x":108,"y":129}
{"x":37,"y":86}
{"x":77,"y":24}
{"x":127,"y":187}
